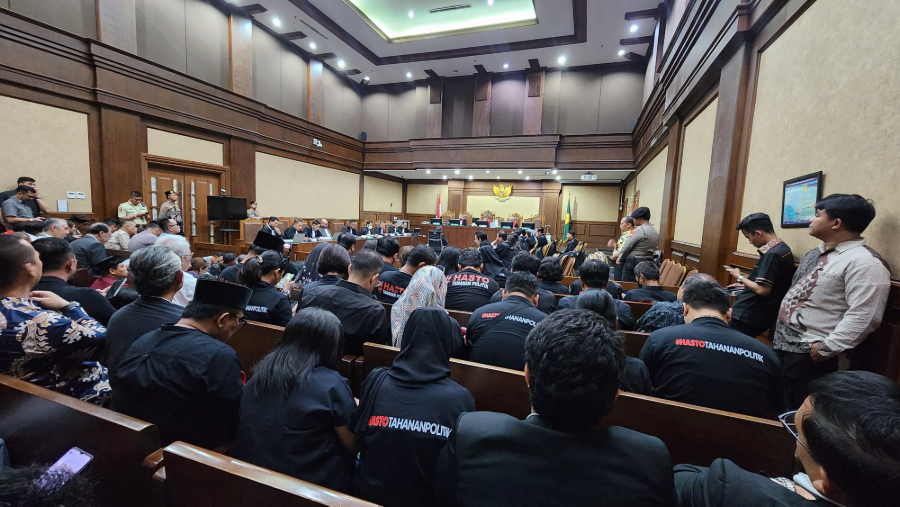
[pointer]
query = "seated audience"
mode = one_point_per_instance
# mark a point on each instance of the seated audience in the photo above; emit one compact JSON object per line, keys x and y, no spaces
{"x":492,"y":266}
{"x":182,"y":377}
{"x":16,"y":209}
{"x":368,"y":229}
{"x":571,"y":242}
{"x":704,"y":362}
{"x":667,"y":314}
{"x":37,"y":204}
{"x":113,"y":224}
{"x":448,"y":260}
{"x":505,"y":248}
{"x":635,"y":377}
{"x":614,"y":289}
{"x":848,"y":444}
{"x":469,"y":289}
{"x":481,"y":239}
{"x":228,"y":260}
{"x":524,"y":261}
{"x":146,"y":238}
{"x":45,"y":339}
{"x":350,"y":228}
{"x":312,"y":230}
{"x":560,"y":454}
{"x":397,"y":461}
{"x":347,"y":241}
{"x":496,"y":332}
{"x":260,"y":244}
{"x":272,"y":227}
{"x":594,"y":275}
{"x":267,"y":304}
{"x":182,"y":248}
{"x":119,"y":240}
{"x":647,"y":275}
{"x":310,"y":271}
{"x":404,"y":253}
{"x":156,"y":274}
{"x":352,"y":302}
{"x":296,"y":407}
{"x":113,"y":269}
{"x":295,"y":231}
{"x":389,"y":248}
{"x":371,"y":244}
{"x":332,"y":266}
{"x":55,"y":228}
{"x":427,"y":289}
{"x":549,"y":275}
{"x":199,"y":266}
{"x":89,"y":250}
{"x":58,"y":267}
{"x":393,"y":283}
{"x":323,"y":228}
{"x":838,"y":296}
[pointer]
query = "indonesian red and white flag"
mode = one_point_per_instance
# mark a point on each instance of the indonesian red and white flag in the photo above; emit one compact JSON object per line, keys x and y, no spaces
{"x":439,"y":213}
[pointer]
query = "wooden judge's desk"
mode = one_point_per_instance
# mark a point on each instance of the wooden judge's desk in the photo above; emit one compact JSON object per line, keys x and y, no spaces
{"x":461,"y":236}
{"x":300,"y":251}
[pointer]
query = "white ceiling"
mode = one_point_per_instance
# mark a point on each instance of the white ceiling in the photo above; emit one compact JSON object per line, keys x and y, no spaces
{"x":507,"y":175}
{"x":606,"y":25}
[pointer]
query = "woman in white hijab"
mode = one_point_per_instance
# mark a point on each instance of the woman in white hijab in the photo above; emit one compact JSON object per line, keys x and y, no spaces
{"x":427,"y":289}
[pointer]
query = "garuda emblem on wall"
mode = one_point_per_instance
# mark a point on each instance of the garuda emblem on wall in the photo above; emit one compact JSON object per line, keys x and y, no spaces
{"x":502,"y":193}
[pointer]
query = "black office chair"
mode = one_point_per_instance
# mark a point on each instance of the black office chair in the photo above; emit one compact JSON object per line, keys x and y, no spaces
{"x":435,"y":241}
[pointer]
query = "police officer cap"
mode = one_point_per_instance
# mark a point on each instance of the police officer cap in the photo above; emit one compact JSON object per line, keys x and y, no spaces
{"x":643,"y":213}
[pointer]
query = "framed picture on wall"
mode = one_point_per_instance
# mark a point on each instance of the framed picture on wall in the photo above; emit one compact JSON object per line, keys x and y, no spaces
{"x":799,"y":198}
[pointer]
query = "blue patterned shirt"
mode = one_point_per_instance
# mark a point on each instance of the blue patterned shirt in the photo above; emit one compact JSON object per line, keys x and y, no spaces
{"x":661,"y":315}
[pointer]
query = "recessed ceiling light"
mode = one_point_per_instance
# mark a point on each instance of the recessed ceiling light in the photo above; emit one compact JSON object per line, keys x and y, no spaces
{"x":276,"y":21}
{"x":470,"y":176}
{"x":456,"y":171}
{"x":621,"y":52}
{"x":312,"y":45}
{"x":498,"y":177}
{"x":561,"y":60}
{"x":445,"y":176}
{"x":428,"y":171}
{"x":366,"y":78}
{"x":554,"y":171}
{"x":411,"y":14}
{"x":341,"y":64}
{"x":490,"y":2}
{"x":409,"y":74}
{"x":527,"y":177}
{"x":634,"y":28}
{"x":557,"y":178}
{"x":488,"y":172}
{"x":520,"y":171}
{"x":505,"y":65}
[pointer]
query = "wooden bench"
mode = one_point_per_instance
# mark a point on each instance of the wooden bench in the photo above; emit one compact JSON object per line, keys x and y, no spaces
{"x":195,"y":477}
{"x":118,"y":253}
{"x":83,"y":278}
{"x":458,"y":315}
{"x":627,"y":286}
{"x":693,"y":434}
{"x":633,"y":342}
{"x":40,"y":425}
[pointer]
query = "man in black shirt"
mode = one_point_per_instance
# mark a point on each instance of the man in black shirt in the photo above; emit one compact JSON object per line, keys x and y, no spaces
{"x":37,"y":204}
{"x":560,"y":454}
{"x":497,"y":332}
{"x":524,"y":261}
{"x":228,"y":260}
{"x":156,"y":274}
{"x":261,"y":243}
{"x":393,"y":283}
{"x":389,"y":248}
{"x":182,"y":377}
{"x":594,"y":275}
{"x":647,"y":275}
{"x":704,"y":362}
{"x":295,"y":231}
{"x":350,"y":228}
{"x":468,"y":289}
{"x":59,"y":265}
{"x":352,"y":302}
{"x":504,"y":249}
{"x":312,"y":230}
{"x":756,"y":307}
{"x":481,"y":239}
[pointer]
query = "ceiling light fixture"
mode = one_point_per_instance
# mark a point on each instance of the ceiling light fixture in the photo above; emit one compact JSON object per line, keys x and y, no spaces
{"x":312,"y":45}
{"x":409,"y":74}
{"x":557,"y":178}
{"x":490,"y":2}
{"x":561,"y":60}
{"x":634,"y":28}
{"x":445,"y":176}
{"x":498,"y":177}
{"x":554,"y":171}
{"x":341,"y":64}
{"x":366,"y":78}
{"x":520,"y":171}
{"x":456,"y":171}
{"x":527,"y":178}
{"x":470,"y":176}
{"x":487,"y":172}
{"x":412,"y":14}
{"x":276,"y":21}
{"x":621,"y":52}
{"x":427,"y":171}
{"x":505,"y":65}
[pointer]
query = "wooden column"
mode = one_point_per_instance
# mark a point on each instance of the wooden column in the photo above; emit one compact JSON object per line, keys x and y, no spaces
{"x":550,"y":191}
{"x":117,"y":24}
{"x":242,"y":164}
{"x":455,"y":196}
{"x":240,"y":55}
{"x":719,"y":235}
{"x":435,"y":117}
{"x":315,"y":110}
{"x":666,"y":223}
{"x":121,"y":147}
{"x":481,"y":116}
{"x":534,"y":102}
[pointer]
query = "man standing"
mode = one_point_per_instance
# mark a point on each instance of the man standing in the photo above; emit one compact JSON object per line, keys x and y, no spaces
{"x":649,"y":289}
{"x":89,"y":250}
{"x":59,"y":265}
{"x":171,"y":210}
{"x":350,"y":228}
{"x":756,"y":307}
{"x":468,"y":289}
{"x":135,"y":210}
{"x":16,"y":208}
{"x":119,"y":240}
{"x":323,"y":228}
{"x":627,"y":227}
{"x":838,"y":295}
{"x":640,"y":246}
{"x":145,"y":238}
{"x":272,"y":227}
{"x":37,"y":204}
{"x":183,"y":377}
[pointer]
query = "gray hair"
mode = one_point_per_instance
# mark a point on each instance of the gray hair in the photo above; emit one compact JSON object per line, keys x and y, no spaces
{"x":51,"y":222}
{"x":175,"y":243}
{"x":154,"y":269}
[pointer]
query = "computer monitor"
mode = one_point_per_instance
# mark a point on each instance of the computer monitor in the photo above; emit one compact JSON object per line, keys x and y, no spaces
{"x":528,"y":225}
{"x":506,"y":225}
{"x":435,"y":221}
{"x":417,"y":231}
{"x":454,"y":221}
{"x":481,"y":223}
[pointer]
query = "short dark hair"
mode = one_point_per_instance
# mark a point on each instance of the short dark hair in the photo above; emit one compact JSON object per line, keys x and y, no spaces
{"x":599,"y":302}
{"x":54,"y":252}
{"x":756,"y":222}
{"x":256,"y":249}
{"x":164,"y":223}
{"x":420,"y":254}
{"x":540,"y":229}
{"x":704,"y":295}
{"x":853,"y":432}
{"x":24,"y":179}
{"x":470,"y":257}
{"x":502,"y":235}
{"x":228,"y":257}
{"x":481,"y":236}
{"x":366,"y":263}
{"x":333,"y":259}
{"x":449,"y":260}
{"x":522,"y":281}
{"x":112,"y":221}
{"x":273,"y":219}
{"x":550,"y":270}
{"x":134,"y":193}
{"x":854,"y":211}
{"x":25,"y":189}
{"x":351,"y":221}
{"x":254,"y":269}
{"x":315,"y":222}
{"x":296,"y":221}
{"x":647,"y":268}
{"x":388,"y":246}
{"x":346,"y":240}
{"x":14,"y":255}
{"x":629,"y":220}
{"x":252,"y":202}
{"x":98,"y":228}
{"x":524,"y":261}
{"x":594,"y":274}
{"x":575,"y":360}
{"x":204,"y":311}
{"x":153,"y":225}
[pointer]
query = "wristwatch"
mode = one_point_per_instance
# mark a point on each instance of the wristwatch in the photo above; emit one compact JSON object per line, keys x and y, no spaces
{"x":68,"y":307}
{"x":740,"y":278}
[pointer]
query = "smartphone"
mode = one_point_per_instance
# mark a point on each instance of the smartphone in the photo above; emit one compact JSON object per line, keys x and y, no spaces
{"x":72,"y":462}
{"x":287,"y":278}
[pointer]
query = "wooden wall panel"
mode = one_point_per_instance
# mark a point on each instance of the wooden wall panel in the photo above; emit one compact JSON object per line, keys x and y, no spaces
{"x":242,"y":162}
{"x":459,"y":107}
{"x":161,"y":32}
{"x":121,"y":139}
{"x":481,"y":116}
{"x":508,"y":104}
{"x":240,"y":63}
{"x":75,"y":16}
{"x":534,"y":102}
{"x":206,"y":42}
{"x":315,"y":109}
{"x":434,"y":119}
{"x":595,"y":234}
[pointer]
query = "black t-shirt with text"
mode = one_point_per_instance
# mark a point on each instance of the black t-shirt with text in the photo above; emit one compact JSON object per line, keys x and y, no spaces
{"x":503,"y":343}
{"x":393,"y":283}
{"x":468,"y":290}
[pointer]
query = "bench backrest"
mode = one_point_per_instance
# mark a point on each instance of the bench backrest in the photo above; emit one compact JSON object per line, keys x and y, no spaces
{"x":195,"y":477}
{"x":118,"y":253}
{"x":458,"y":315}
{"x":693,"y":434}
{"x":633,"y":342}
{"x":40,"y":425}
{"x":638,"y":309}
{"x":253,"y":341}
{"x":627,"y":286}
{"x":83,"y":278}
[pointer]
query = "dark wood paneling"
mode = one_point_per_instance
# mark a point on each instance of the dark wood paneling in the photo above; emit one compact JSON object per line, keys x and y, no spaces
{"x":535,"y":84}
{"x":240,"y":61}
{"x":686,"y":254}
{"x":595,"y":151}
{"x":121,"y":140}
{"x":480,"y":152}
{"x":595,"y":234}
{"x":534,"y":103}
{"x":481,"y":117}
{"x":434,"y":95}
{"x":434,"y":117}
{"x":242,"y":161}
{"x":315,"y":107}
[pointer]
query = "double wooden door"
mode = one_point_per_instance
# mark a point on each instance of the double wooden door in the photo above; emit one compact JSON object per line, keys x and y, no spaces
{"x":192,"y":189}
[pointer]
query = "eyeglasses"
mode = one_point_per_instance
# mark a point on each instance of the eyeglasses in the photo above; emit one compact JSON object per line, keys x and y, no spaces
{"x":788,"y":421}
{"x":240,"y":320}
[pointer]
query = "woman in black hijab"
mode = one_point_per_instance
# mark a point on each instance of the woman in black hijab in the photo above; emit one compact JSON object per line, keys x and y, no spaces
{"x":310,"y":272}
{"x":406,"y":412}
